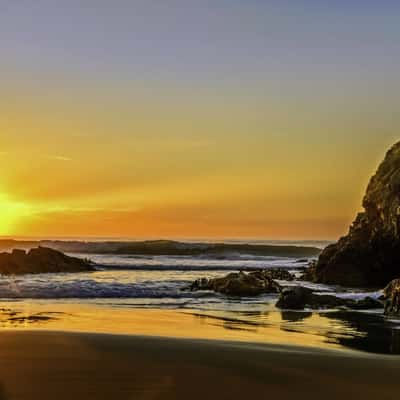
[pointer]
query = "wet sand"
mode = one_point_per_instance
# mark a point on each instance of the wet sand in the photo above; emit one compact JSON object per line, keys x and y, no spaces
{"x":301,"y":329}
{"x":53,"y":365}
{"x":186,"y":324}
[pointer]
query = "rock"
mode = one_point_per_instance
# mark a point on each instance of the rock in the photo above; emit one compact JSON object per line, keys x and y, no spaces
{"x":369,"y":255}
{"x":40,"y":260}
{"x":295,"y":298}
{"x":244,"y":284}
{"x":391,"y":295}
{"x":299,"y":298}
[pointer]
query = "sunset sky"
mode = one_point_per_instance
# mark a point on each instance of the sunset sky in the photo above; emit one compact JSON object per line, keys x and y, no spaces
{"x":180,"y":118}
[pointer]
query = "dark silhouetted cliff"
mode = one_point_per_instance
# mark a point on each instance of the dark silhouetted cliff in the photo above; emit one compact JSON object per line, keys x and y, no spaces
{"x":370,"y":253}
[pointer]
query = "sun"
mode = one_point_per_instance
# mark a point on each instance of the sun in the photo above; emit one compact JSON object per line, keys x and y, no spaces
{"x":11,"y":213}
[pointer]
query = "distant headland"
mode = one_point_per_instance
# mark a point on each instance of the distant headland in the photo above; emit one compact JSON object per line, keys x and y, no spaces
{"x":164,"y":247}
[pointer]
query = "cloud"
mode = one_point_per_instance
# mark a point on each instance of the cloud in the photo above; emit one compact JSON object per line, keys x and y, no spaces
{"x":58,"y":158}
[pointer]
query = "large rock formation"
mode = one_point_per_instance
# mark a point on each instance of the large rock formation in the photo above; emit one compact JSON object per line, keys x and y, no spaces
{"x":40,"y":260}
{"x":370,"y":254}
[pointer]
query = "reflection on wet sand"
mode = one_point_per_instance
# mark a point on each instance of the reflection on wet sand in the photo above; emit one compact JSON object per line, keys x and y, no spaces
{"x":348,"y":329}
{"x":293,"y":316}
{"x":375,"y":334}
{"x":355,"y":330}
{"x":334,"y":329}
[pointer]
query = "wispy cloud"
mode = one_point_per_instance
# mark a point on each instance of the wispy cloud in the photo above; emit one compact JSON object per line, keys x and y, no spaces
{"x":58,"y":158}
{"x":55,"y":157}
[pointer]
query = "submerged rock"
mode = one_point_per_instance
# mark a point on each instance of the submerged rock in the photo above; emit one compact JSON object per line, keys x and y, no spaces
{"x":40,"y":260}
{"x":244,"y":284}
{"x":391,"y":295}
{"x":299,"y":298}
{"x":369,"y":255}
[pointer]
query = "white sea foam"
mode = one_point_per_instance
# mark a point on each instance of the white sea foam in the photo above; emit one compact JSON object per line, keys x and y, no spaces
{"x":193,"y":263}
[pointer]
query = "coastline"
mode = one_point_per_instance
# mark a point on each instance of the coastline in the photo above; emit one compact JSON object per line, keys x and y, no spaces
{"x":104,"y":366}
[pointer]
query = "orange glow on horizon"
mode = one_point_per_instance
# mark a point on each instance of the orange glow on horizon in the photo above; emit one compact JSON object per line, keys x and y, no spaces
{"x":112,"y":163}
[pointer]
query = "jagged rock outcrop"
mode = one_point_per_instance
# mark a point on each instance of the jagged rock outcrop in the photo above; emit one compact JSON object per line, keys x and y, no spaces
{"x":40,"y":260}
{"x":298,"y":298}
{"x":370,"y":254}
{"x":391,"y":295}
{"x":243,"y":284}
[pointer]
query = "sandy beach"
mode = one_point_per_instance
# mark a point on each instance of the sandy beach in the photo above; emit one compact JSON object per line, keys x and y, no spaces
{"x":50,"y":365}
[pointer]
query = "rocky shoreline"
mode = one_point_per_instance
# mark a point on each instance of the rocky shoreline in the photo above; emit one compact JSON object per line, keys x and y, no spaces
{"x":367,"y":257}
